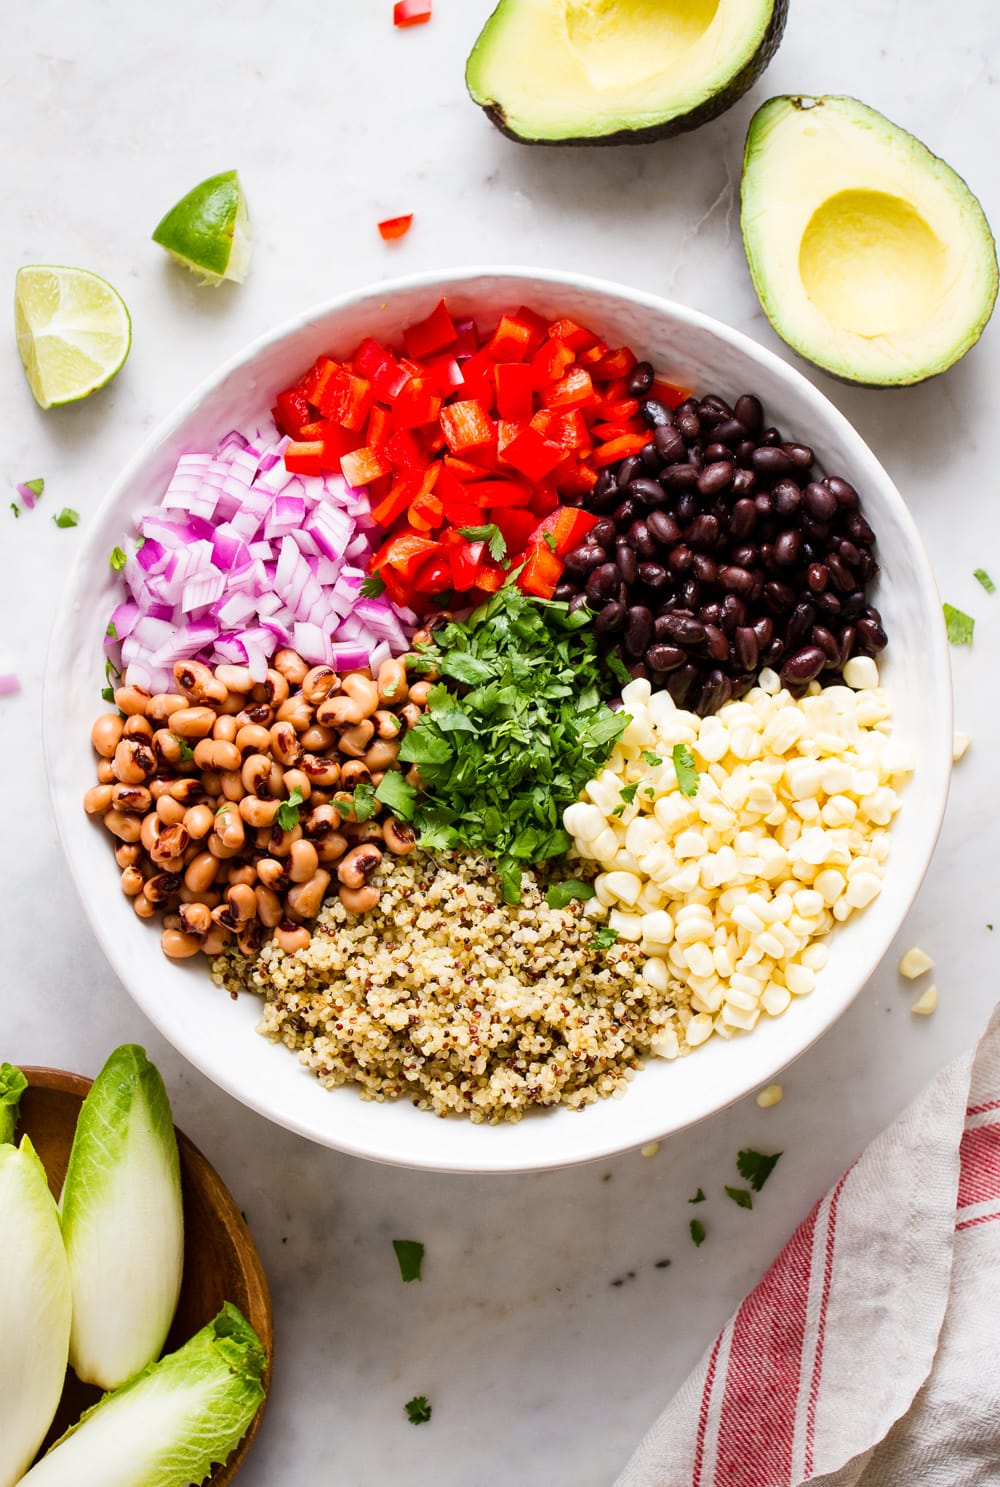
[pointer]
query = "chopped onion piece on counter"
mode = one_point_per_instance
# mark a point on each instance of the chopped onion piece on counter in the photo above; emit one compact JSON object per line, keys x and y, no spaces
{"x":239,"y":559}
{"x":10,"y":684}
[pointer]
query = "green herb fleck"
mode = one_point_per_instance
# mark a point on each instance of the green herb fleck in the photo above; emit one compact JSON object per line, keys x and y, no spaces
{"x":410,"y":1254}
{"x":627,"y":793}
{"x":687,"y":774}
{"x":418,"y":1411}
{"x":618,"y":669}
{"x":397,"y":794}
{"x":117,"y":559}
{"x":110,"y":670}
{"x":619,"y":810}
{"x":107,"y":694}
{"x":699,"y":1196}
{"x":651,"y":759}
{"x":756,"y":1167}
{"x":140,"y":541}
{"x":604,"y":938}
{"x":111,"y":631}
{"x":650,"y":792}
{"x":985,"y":579}
{"x":561,"y":894}
{"x":16,"y":509}
{"x":550,"y":541}
{"x":958,"y":626}
{"x":372,"y":586}
{"x":491,"y":535}
{"x":67,"y":517}
{"x":742,"y":1197}
{"x":697,"y":1232}
{"x":35,"y":486}
{"x":187,"y":752}
{"x":363,"y":805}
{"x":288,"y":811}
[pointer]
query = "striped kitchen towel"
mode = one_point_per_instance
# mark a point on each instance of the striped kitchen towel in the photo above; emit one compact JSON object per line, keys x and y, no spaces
{"x":869,"y":1354}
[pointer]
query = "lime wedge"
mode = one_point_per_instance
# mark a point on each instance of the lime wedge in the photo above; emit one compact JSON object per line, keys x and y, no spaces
{"x":73,"y":332}
{"x":208,"y":230}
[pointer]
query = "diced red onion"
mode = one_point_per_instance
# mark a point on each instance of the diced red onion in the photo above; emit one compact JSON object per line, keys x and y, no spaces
{"x":10,"y":684}
{"x":27,"y":496}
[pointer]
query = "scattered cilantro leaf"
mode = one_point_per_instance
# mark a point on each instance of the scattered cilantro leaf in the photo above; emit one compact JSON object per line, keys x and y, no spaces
{"x":756,"y":1167}
{"x":959,"y":626}
{"x":372,"y":586}
{"x":112,"y":630}
{"x":550,"y":541}
{"x":627,"y":793}
{"x":35,"y":486}
{"x":107,"y":693}
{"x":397,"y":794}
{"x":67,"y":517}
{"x":363,"y":803}
{"x":651,"y":759}
{"x":491,"y":535}
{"x":618,"y":669}
{"x":288,"y":811}
{"x":140,"y":541}
{"x":699,"y":1196}
{"x":418,"y":1410}
{"x":604,"y":938}
{"x":619,"y":810}
{"x":187,"y":752}
{"x":697,"y":1232}
{"x":117,"y":559}
{"x":742,"y":1197}
{"x":16,"y":509}
{"x":410,"y":1254}
{"x":110,"y":670}
{"x":561,"y":894}
{"x":650,"y":792}
{"x":687,"y":773}
{"x":985,"y":579}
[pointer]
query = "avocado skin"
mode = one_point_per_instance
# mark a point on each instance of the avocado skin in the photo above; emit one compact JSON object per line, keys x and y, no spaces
{"x":717,"y":104}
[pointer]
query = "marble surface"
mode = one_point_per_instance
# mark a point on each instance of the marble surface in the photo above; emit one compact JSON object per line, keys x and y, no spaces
{"x":543,"y":1332}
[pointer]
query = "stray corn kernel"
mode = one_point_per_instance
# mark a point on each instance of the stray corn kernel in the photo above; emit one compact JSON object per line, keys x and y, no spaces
{"x":926,"y":1002}
{"x":772,"y":1095}
{"x":914,"y":963}
{"x":959,"y":744}
{"x":650,"y":1149}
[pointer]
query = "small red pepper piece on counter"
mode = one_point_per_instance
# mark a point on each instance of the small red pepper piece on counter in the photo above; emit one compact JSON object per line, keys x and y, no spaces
{"x":411,"y":12}
{"x":397,"y":227}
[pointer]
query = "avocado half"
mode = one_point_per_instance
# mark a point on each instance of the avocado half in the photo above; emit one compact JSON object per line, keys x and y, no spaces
{"x":592,"y":72}
{"x":871,"y":257}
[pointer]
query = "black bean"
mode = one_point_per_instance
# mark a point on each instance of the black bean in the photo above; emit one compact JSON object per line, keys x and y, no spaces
{"x":653,"y":575}
{"x":656,"y":414}
{"x":603,"y":532}
{"x":689,"y":594}
{"x":848,"y":552}
{"x":645,"y":490}
{"x":734,"y":613}
{"x":600,"y":501}
{"x":638,"y":631}
{"x":817,"y":577}
{"x":843,"y":578}
{"x":625,"y":513}
{"x":771,"y":654}
{"x":803,"y":665}
{"x":819,"y":501}
{"x":710,"y":613}
{"x":800,"y":622}
{"x":763,"y":628}
{"x":867,"y":567}
{"x":564,"y":591}
{"x":603,"y":582}
{"x":669,"y":443}
{"x":744,"y":454}
{"x":846,"y":494}
{"x":629,"y":469}
{"x":703,"y":532}
{"x":848,"y":635}
{"x":787,"y":547}
{"x":583,"y":560}
{"x":712,"y":409}
{"x":627,"y":564}
{"x":663,"y":527}
{"x":729,"y":432}
{"x":853,"y":604}
{"x":745,"y":644}
{"x":762,"y":504}
{"x":611,"y":619}
{"x":717,"y":642}
{"x":767,"y":559}
{"x":715,"y":692}
{"x":687,"y":420}
{"x":579,"y":601}
{"x":770,"y":437}
{"x":772,"y":464}
{"x":744,"y":556}
{"x":682,"y":684}
{"x":827,"y":602}
{"x":858,"y":528}
{"x":818,"y":532}
{"x":714,"y":452}
{"x":786,"y":498}
{"x":651,"y":461}
{"x":738,"y":580}
{"x":662,"y":657}
{"x":684,"y":628}
{"x":750,"y":413}
{"x":743,"y":519}
{"x":704,"y":568}
{"x":716,"y":476}
{"x":827,"y":642}
{"x":605,"y":482}
{"x":640,"y":379}
{"x":871,"y":636}
{"x":779,"y":597}
{"x":679,"y":478}
{"x":642,"y":539}
{"x":800,"y":455}
{"x":743,"y":482}
{"x":680,"y":558}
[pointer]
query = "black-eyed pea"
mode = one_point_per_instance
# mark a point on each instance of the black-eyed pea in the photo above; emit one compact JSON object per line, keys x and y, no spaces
{"x":258,"y":813}
{"x":125,"y":828}
{"x":306,"y":899}
{"x":255,"y":774}
{"x":134,"y":762}
{"x":106,"y":734}
{"x":332,"y":848}
{"x":298,"y":712}
{"x":243,"y":902}
{"x":128,"y":854}
{"x":217,"y":940}
{"x":218,"y":848}
{"x":228,"y":827}
{"x":399,"y":837}
{"x":106,"y":772}
{"x":391,"y":682}
{"x":232,"y":707}
{"x":280,"y":841}
{"x":169,"y":845}
{"x":98,"y":799}
{"x":138,"y":726}
{"x":303,"y":861}
{"x":198,"y":683}
{"x":201,"y":872}
{"x":132,"y":701}
{"x":378,"y":775}
{"x":339,"y":711}
{"x":412,"y":777}
{"x":188,"y":790}
{"x":170,"y":811}
{"x":354,"y":772}
{"x":359,"y":864}
{"x":410,"y":714}
{"x":192,"y":722}
{"x":249,"y":938}
{"x":132,"y":882}
{"x":297,"y":779}
{"x":272,"y":874}
{"x":149,"y":831}
{"x":198,"y":821}
{"x":321,"y":771}
{"x":381,"y":754}
{"x":359,"y":900}
{"x":369,"y":831}
{"x":420,"y":691}
{"x":196,"y":918}
{"x":243,"y":872}
{"x":387,"y":725}
{"x":261,"y":713}
{"x":214,"y":753}
{"x":235,"y":678}
{"x":354,"y":741}
{"x":143,"y":907}
{"x":285,"y":744}
{"x":270,"y":910}
{"x":209,"y":896}
{"x":317,"y":740}
{"x":167,"y":747}
{"x":320,"y":797}
{"x":171,"y":921}
{"x":291,"y":937}
{"x":319,"y":683}
{"x":136,"y":800}
{"x":163,"y":705}
{"x":225,"y":729}
{"x":274,"y":689}
{"x":321,"y":821}
{"x":274,"y":786}
{"x":291,"y":666}
{"x":160,"y":887}
{"x":362,"y":690}
{"x":177,"y":945}
{"x":230,"y":785}
{"x":252,"y":739}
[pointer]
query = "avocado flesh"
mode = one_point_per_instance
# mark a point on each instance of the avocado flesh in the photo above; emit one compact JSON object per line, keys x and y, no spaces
{"x":871,"y":257}
{"x":607,"y":71}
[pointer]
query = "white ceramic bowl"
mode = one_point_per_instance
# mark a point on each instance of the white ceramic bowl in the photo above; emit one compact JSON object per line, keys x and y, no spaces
{"x":217,"y":1034}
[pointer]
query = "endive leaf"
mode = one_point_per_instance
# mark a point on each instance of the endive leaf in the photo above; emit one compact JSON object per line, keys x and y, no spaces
{"x":35,"y":1309}
{"x":171,"y":1424}
{"x":12,"y":1087}
{"x":122,"y":1222}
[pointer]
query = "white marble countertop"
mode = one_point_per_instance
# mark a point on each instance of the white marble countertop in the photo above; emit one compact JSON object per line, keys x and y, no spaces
{"x":543,"y":1331}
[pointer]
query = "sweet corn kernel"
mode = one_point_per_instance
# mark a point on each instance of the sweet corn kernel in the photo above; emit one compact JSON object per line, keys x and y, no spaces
{"x":914,"y":963}
{"x":959,"y":744}
{"x":769,"y":1096}
{"x":926,"y":1002}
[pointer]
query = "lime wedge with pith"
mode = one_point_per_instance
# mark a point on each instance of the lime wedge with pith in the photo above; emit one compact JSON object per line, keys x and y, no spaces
{"x":208,"y":230}
{"x":73,"y":331}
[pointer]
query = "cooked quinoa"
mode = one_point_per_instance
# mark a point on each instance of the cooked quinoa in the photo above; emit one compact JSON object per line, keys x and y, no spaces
{"x":448,"y":996}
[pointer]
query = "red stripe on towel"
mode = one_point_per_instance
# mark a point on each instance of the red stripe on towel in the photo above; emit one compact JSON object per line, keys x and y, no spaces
{"x":979,"y":1172}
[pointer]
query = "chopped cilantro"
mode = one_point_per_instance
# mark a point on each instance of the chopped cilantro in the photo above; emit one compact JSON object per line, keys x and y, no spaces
{"x":372,"y":586}
{"x":410,"y":1254}
{"x":418,"y":1411}
{"x":110,"y":669}
{"x":742,"y":1197}
{"x":140,"y":541}
{"x":627,"y":793}
{"x":650,"y":792}
{"x":687,"y":774}
{"x":397,"y":794}
{"x":604,"y":938}
{"x":699,"y":1196}
{"x":959,"y":626}
{"x":187,"y":752}
{"x":111,"y":631}
{"x":619,"y":810}
{"x":618,"y":669}
{"x":117,"y":559}
{"x":491,"y":535}
{"x":288,"y":810}
{"x":16,"y":509}
{"x":756,"y":1167}
{"x":651,"y":759}
{"x":363,"y":803}
{"x":67,"y":517}
{"x":108,"y":694}
{"x":985,"y":579}
{"x":561,"y":894}
{"x":35,"y":486}
{"x":550,"y":541}
{"x":697,"y":1231}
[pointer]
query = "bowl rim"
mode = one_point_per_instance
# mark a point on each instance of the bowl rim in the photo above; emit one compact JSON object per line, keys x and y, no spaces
{"x":339,"y":1136}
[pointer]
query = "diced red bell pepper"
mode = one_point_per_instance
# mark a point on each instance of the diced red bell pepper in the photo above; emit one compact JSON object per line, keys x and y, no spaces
{"x":477,"y":374}
{"x":500,"y":493}
{"x":338,"y":393}
{"x":434,"y":575}
{"x":516,"y":525}
{"x":515,"y":385}
{"x":619,"y":410}
{"x":593,"y":354}
{"x":445,"y":372}
{"x":389,"y":380}
{"x":552,"y":361}
{"x":569,"y":431}
{"x":462,"y":513}
{"x":466,"y":559}
{"x":336,"y":443}
{"x":379,"y":426}
{"x":416,"y":404}
{"x":567,"y":525}
{"x":304,"y":458}
{"x":542,"y":421}
{"x":370,"y":356}
{"x":464,"y":470}
{"x":491,"y":577}
{"x":530,"y":454}
{"x":668,"y":394}
{"x":425,"y":337}
{"x":467,"y":343}
{"x":615,"y":364}
{"x":513,"y":338}
{"x":466,"y":426}
{"x":426,"y":512}
{"x":577,"y":481}
{"x":291,"y":411}
{"x":411,"y":12}
{"x":395,"y":227}
{"x":575,"y":390}
{"x":544,"y":498}
{"x":576,"y":336}
{"x":404,"y":554}
{"x":602,"y":432}
{"x":507,"y":431}
{"x":361,"y":466}
{"x":541,"y":572}
{"x":394,"y":504}
{"x":536,"y":323}
{"x":619,"y":448}
{"x":404,"y":452}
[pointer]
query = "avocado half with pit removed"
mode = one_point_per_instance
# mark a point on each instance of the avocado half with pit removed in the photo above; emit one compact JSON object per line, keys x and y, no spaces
{"x":871,"y":257}
{"x":593,"y":72}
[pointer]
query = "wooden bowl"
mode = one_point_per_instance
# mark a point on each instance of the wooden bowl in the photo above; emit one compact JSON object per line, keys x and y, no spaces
{"x":220,"y":1261}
